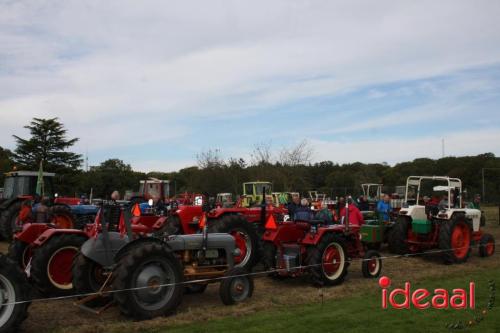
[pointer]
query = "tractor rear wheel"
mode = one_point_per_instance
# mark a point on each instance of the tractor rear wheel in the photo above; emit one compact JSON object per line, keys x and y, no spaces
{"x":151,"y":277}
{"x":20,"y":252}
{"x":486,"y":245}
{"x":236,"y":286}
{"x":8,"y":220}
{"x":52,"y":263}
{"x":62,"y":217}
{"x":14,"y":287}
{"x":245,"y":237}
{"x":372,"y":264}
{"x":455,"y":238}
{"x":88,"y":277}
{"x":328,"y":261}
{"x":398,"y":236}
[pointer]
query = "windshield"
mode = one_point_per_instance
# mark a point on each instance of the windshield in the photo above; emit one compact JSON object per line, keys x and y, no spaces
{"x":259,"y":188}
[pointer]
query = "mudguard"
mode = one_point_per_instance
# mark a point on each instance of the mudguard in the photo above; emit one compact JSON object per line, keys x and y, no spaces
{"x":103,"y":251}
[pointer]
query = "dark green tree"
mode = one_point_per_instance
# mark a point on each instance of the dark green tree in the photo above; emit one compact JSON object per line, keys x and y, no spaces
{"x":48,"y":143}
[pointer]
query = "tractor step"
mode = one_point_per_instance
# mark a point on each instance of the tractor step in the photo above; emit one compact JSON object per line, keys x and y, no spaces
{"x":97,"y":311}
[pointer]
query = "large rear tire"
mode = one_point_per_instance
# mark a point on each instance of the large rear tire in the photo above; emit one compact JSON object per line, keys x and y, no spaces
{"x":8,"y":220}
{"x":146,"y":269}
{"x":245,"y":237}
{"x":51,"y":264}
{"x":14,"y":287}
{"x":455,"y":238}
{"x":328,"y":261}
{"x":20,"y":252}
{"x":399,"y":235}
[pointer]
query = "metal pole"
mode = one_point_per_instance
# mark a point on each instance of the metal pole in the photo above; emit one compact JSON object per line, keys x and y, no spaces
{"x":482,"y":172}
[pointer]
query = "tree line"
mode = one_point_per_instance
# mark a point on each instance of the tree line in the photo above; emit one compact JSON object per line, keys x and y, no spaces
{"x":289,"y":169}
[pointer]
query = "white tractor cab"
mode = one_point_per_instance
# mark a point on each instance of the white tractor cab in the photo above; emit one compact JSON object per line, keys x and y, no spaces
{"x":425,"y":222}
{"x":372,"y":191}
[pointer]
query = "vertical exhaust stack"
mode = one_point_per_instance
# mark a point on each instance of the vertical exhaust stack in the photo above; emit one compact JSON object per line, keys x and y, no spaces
{"x":263,"y":207}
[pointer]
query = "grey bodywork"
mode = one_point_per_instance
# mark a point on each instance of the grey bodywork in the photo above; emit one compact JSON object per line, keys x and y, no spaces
{"x":104,"y":251}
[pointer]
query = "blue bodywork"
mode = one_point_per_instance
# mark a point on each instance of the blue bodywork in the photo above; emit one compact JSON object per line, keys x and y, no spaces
{"x":84,"y":209}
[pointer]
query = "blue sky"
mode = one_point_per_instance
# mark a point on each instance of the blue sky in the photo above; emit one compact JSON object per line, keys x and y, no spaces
{"x":154,"y":83}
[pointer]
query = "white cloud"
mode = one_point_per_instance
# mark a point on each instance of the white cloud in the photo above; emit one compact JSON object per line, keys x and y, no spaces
{"x":92,"y":62}
{"x":393,"y":149}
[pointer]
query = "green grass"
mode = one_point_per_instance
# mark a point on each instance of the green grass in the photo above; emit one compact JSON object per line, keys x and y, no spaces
{"x":361,"y":312}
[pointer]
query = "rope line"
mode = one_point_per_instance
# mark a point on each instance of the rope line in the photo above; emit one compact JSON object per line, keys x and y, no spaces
{"x":208,"y":280}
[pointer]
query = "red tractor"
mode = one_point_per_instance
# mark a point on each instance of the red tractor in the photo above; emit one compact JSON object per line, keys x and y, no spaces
{"x":46,"y":252}
{"x":151,"y":188}
{"x":293,"y":248}
{"x":17,"y":200}
{"x":246,"y":225}
{"x":426,"y":222}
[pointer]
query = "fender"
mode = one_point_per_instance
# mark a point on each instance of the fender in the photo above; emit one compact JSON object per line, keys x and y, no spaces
{"x":186,"y":215}
{"x":133,"y":243}
{"x":101,"y":251}
{"x":315,"y":238}
{"x":31,"y":231}
{"x":51,"y":232}
{"x":286,"y":232}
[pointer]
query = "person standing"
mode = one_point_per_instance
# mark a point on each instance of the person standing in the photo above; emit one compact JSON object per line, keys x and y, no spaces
{"x":384,"y":208}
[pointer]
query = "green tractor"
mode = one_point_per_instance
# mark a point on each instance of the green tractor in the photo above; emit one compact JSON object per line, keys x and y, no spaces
{"x":253,"y":192}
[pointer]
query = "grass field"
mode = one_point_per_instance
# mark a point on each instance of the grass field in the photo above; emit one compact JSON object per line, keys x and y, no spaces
{"x":361,"y":312}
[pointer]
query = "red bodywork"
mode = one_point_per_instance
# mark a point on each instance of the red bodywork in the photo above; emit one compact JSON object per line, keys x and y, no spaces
{"x":189,"y":215}
{"x":303,"y":235}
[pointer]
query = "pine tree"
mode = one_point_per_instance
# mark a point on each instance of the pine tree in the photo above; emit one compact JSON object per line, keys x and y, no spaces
{"x":48,"y":143}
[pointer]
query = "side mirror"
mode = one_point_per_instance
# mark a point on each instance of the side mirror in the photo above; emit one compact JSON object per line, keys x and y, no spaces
{"x":150,"y":202}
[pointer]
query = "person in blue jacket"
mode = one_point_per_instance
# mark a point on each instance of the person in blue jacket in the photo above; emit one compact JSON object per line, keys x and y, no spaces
{"x":384,"y":208}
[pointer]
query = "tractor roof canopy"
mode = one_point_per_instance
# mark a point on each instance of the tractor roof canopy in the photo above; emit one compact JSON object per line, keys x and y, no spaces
{"x":452,"y":185}
{"x":28,"y":174}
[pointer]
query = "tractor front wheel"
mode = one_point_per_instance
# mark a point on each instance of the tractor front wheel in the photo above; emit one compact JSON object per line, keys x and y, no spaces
{"x":399,"y":235}
{"x":88,"y":278}
{"x":486,"y":245}
{"x":150,"y":278}
{"x":51,"y":264}
{"x":14,"y":288}
{"x":372,"y":264}
{"x":455,"y":238}
{"x":328,"y":261}
{"x":245,"y":237}
{"x":236,"y":286}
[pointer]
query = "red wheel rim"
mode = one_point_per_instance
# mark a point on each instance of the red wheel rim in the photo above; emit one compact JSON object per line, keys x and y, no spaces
{"x":59,"y":267}
{"x":242,"y":243}
{"x":62,"y":222}
{"x":373,"y":265}
{"x":332,"y":260}
{"x":460,"y":240}
{"x":490,"y":248}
